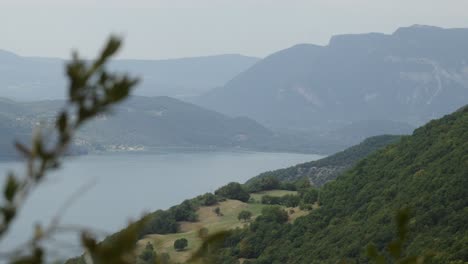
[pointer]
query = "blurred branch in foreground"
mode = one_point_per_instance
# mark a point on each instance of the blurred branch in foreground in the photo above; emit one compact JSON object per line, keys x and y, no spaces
{"x":92,"y":90}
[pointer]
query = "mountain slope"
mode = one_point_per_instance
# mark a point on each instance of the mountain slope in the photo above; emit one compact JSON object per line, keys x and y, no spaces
{"x":426,"y":172}
{"x":30,"y":78}
{"x":168,"y":122}
{"x":411,"y":76}
{"x":327,"y":169}
{"x":151,"y":123}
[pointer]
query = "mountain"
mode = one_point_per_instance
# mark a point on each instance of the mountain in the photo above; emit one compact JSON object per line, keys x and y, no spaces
{"x":425,"y":172}
{"x":185,"y":77}
{"x":152,"y":123}
{"x":416,"y":74}
{"x":31,"y":78}
{"x":327,"y":169}
{"x":168,"y":122}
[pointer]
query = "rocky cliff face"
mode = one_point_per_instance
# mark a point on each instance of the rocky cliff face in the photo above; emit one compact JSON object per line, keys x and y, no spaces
{"x":412,"y":76}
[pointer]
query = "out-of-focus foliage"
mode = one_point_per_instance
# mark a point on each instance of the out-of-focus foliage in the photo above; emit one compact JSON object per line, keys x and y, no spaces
{"x":92,"y":91}
{"x":148,"y":255}
{"x":395,"y":248}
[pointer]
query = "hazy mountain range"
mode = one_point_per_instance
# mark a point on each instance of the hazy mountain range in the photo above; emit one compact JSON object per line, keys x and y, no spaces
{"x":152,"y":124}
{"x":306,"y":98}
{"x":409,"y":77}
{"x":33,"y":78}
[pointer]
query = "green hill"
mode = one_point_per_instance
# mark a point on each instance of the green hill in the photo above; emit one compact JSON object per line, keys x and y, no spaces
{"x":426,"y":172}
{"x":154,"y":123}
{"x":321,"y":171}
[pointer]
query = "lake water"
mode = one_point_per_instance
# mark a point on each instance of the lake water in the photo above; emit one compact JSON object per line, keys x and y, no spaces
{"x":123,"y":186}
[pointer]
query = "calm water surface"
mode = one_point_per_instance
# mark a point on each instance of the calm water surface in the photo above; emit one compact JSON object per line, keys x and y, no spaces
{"x":123,"y":186}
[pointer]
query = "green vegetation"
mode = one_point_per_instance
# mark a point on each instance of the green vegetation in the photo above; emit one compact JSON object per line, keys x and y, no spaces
{"x":244,"y":216}
{"x":92,"y":91}
{"x":426,"y":172}
{"x":210,"y":223}
{"x":321,"y":171}
{"x":208,"y":199}
{"x":233,"y":191}
{"x":394,"y":251}
{"x":203,"y":232}
{"x":257,"y":197}
{"x":147,"y":256}
{"x":217,"y":211}
{"x":180,"y":244}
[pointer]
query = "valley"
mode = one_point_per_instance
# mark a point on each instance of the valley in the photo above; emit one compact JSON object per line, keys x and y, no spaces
{"x":351,"y":151}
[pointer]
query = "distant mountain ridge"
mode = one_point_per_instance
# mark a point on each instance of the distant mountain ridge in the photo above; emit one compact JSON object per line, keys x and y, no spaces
{"x":416,"y":74}
{"x":150,"y":124}
{"x":34,"y":78}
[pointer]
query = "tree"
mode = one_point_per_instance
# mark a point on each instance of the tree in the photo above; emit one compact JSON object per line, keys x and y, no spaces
{"x":148,"y":255}
{"x":264,"y":184}
{"x":203,"y":232}
{"x":180,"y":244}
{"x":184,"y":212}
{"x":290,"y":200}
{"x":309,"y":195}
{"x":244,"y":215}
{"x":209,"y":199}
{"x":268,"y":199}
{"x":159,"y":222}
{"x":233,"y":191}
{"x":274,"y":214}
{"x":217,"y":211}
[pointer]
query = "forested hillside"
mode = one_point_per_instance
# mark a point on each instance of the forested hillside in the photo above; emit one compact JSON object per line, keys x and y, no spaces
{"x":426,"y":172}
{"x":324,"y":170}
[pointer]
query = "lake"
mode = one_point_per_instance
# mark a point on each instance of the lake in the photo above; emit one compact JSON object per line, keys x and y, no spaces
{"x":124,"y":186}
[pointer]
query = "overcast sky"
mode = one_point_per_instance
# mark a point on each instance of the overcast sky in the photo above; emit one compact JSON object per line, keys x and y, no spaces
{"x":176,"y":28}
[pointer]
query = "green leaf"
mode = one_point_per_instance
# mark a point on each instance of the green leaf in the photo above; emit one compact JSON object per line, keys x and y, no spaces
{"x":62,"y":122}
{"x":11,"y":187}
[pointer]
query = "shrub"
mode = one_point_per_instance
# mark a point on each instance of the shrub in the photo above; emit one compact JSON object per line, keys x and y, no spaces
{"x":209,"y":199}
{"x":180,"y":244}
{"x":244,"y":215}
{"x":233,"y":191}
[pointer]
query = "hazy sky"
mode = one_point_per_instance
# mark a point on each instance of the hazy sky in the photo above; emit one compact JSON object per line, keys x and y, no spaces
{"x":176,"y":28}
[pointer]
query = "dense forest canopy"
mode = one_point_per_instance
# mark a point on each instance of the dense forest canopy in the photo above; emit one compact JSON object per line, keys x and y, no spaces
{"x":324,"y":170}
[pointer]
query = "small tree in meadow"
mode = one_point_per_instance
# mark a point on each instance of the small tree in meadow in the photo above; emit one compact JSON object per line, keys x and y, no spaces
{"x":217,"y":211}
{"x":203,"y":232}
{"x":180,"y":244}
{"x":148,"y":255}
{"x":244,"y":216}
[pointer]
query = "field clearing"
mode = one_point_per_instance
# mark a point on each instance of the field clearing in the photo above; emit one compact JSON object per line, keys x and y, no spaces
{"x":277,"y":193}
{"x":208,"y":219}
